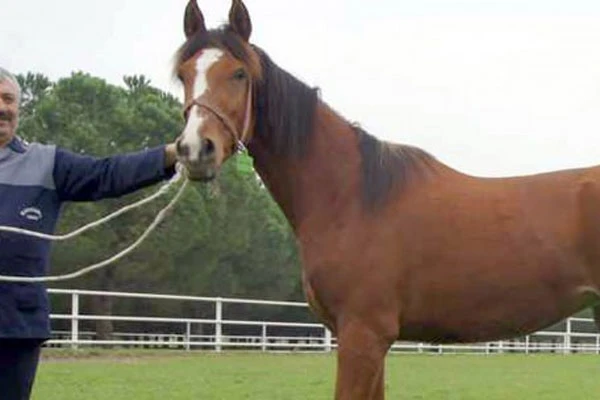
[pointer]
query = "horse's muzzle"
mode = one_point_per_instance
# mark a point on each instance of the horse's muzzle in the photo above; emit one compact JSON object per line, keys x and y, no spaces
{"x":202,"y":167}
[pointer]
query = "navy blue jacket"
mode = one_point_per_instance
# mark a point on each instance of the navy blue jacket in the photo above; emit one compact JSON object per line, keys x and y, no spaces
{"x":35,"y":180}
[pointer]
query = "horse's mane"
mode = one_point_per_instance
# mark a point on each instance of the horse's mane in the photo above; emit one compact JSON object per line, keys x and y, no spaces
{"x":386,"y":166}
{"x":286,"y":109}
{"x":285,"y":116}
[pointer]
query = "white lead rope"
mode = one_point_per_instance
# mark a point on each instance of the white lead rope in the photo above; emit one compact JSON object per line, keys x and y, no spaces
{"x":157,"y":220}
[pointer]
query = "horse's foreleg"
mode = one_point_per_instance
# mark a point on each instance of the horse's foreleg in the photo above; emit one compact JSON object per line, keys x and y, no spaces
{"x":379,"y":393}
{"x":361,"y":359}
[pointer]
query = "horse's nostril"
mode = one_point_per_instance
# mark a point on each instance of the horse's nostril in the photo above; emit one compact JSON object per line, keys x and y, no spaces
{"x":183,"y":150}
{"x":208,"y":147}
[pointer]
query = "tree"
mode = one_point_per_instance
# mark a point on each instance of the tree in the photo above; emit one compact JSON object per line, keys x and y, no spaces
{"x":33,"y":88}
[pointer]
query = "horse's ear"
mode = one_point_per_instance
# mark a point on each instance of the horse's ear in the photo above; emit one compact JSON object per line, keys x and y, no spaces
{"x":239,"y":19}
{"x":193,"y":21}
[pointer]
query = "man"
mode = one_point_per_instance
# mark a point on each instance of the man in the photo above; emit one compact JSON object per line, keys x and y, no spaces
{"x":35,"y":180}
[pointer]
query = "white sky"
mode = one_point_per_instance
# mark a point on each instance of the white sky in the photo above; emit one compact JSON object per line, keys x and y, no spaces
{"x":490,"y":87}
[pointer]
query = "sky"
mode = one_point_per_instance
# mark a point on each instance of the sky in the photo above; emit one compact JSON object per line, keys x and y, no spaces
{"x":489,"y":87}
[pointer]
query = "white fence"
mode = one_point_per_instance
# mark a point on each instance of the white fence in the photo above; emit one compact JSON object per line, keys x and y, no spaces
{"x":574,"y":335}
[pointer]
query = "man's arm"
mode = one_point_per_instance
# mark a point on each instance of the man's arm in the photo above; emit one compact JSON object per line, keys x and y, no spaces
{"x":85,"y":178}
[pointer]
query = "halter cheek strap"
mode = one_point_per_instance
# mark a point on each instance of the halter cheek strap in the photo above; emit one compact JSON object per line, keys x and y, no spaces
{"x":239,"y":139}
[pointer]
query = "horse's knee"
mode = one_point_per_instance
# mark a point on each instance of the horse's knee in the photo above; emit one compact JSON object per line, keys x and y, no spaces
{"x":361,"y":358}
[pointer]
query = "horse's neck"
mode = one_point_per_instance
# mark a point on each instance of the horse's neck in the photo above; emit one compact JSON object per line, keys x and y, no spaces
{"x":321,"y":185}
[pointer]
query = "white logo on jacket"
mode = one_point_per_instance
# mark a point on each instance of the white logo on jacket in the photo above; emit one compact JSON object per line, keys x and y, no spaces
{"x":32,"y":213}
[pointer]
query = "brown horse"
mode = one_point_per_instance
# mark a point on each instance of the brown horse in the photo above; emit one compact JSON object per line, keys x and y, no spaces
{"x":394,"y":244}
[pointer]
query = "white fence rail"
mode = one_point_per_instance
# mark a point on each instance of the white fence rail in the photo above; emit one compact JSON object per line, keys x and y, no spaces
{"x":574,"y":335}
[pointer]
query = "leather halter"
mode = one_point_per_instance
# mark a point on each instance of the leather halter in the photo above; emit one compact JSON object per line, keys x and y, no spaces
{"x":239,"y":139}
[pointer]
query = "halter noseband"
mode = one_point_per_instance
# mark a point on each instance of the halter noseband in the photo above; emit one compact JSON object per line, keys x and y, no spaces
{"x":239,"y":140}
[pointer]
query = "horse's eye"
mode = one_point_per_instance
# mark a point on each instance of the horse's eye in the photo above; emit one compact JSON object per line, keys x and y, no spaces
{"x":239,"y":75}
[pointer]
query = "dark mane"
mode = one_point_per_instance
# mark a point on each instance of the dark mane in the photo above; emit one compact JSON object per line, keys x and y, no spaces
{"x":285,"y":116}
{"x":387,"y":166}
{"x":286,"y":109}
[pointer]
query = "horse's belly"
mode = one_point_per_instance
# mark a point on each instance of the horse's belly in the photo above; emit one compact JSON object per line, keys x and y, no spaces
{"x":490,"y":312}
{"x":472,"y":330}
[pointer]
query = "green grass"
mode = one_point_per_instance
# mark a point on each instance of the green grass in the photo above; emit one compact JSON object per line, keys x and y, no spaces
{"x":253,"y":376}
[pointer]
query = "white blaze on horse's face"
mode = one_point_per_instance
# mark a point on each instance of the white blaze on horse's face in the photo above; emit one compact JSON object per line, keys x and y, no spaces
{"x":190,"y":136}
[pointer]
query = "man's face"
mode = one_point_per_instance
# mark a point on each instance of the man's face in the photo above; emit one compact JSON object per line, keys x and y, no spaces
{"x":9,"y":111}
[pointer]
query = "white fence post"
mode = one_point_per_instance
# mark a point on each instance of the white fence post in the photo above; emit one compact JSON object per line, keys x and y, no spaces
{"x":328,"y":340}
{"x":188,"y":335}
{"x":218,"y":324}
{"x":567,"y":338}
{"x":264,"y":337}
{"x":74,"y":320}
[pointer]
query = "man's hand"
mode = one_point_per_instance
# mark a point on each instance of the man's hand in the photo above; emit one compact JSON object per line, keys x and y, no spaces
{"x":170,"y":155}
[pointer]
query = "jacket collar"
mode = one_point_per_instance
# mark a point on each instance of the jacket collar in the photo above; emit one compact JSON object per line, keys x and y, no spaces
{"x":17,"y":145}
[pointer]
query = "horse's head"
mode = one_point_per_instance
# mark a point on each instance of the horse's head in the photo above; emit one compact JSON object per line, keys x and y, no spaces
{"x":218,"y":69}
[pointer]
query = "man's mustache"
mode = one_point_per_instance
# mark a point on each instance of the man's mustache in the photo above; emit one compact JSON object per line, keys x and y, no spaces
{"x":6,"y":116}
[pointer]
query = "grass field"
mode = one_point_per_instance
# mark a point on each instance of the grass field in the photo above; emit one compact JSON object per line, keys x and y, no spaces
{"x":253,"y":376}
